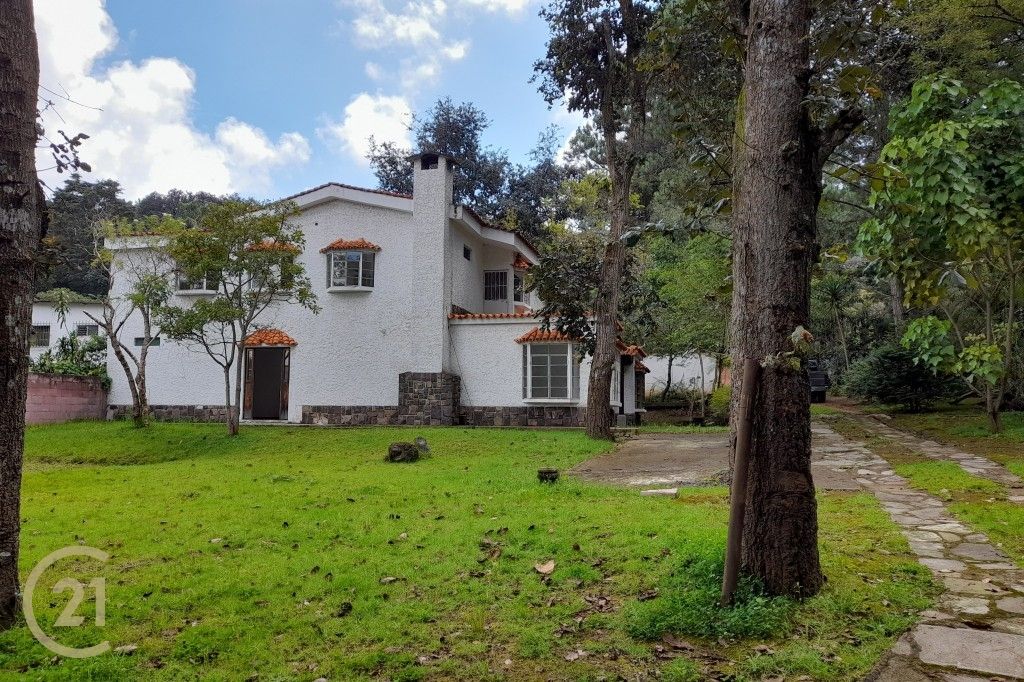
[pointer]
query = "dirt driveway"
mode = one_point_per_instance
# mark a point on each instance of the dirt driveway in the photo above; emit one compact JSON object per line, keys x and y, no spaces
{"x":680,"y":459}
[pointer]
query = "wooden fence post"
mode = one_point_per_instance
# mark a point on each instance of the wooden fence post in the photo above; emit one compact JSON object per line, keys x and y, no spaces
{"x":738,"y":495}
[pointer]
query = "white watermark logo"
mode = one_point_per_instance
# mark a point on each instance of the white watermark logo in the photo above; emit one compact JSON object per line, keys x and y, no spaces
{"x":69,"y":617}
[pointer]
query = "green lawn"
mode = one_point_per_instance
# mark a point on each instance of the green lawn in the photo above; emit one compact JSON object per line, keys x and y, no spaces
{"x":978,"y":502}
{"x":967,"y":427}
{"x":297,"y":553}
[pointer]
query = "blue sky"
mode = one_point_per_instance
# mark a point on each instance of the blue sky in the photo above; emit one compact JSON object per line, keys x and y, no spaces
{"x":270,"y":97}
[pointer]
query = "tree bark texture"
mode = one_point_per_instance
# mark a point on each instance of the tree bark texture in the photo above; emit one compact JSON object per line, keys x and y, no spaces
{"x":599,"y":417}
{"x":20,"y":227}
{"x":775,"y":199}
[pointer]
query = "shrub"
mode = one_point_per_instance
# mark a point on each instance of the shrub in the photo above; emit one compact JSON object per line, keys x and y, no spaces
{"x":889,"y":375}
{"x":76,"y":357}
{"x":721,"y":398}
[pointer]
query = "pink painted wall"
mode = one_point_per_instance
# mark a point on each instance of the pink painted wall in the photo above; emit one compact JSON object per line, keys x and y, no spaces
{"x":54,"y":398}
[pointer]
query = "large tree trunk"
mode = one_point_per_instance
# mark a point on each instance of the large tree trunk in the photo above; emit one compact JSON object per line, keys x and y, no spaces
{"x":599,"y":417}
{"x":20,"y":228}
{"x":775,"y":198}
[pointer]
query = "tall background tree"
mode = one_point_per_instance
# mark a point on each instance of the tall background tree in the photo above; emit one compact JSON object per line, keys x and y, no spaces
{"x":21,"y":204}
{"x":515,"y":195}
{"x":595,"y":63}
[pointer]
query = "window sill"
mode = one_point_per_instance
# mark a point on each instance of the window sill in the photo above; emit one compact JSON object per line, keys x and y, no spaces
{"x":550,"y":401}
{"x":345,"y":290}
{"x":195,"y":292}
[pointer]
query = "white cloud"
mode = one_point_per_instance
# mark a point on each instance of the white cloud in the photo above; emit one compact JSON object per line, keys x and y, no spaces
{"x":384,"y":118}
{"x":376,"y":26}
{"x":138,"y":114}
{"x":456,"y":51}
{"x":374,"y":71}
{"x":506,"y":6}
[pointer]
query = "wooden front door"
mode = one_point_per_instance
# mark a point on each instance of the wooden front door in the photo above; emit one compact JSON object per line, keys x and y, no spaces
{"x":266,"y":382}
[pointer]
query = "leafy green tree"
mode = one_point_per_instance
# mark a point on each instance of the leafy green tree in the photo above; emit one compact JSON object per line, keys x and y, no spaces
{"x":691,"y":281}
{"x":76,"y":210}
{"x":517,"y":195}
{"x":139,"y":285}
{"x":950,"y":226}
{"x":250,"y":250}
{"x":596,"y":62}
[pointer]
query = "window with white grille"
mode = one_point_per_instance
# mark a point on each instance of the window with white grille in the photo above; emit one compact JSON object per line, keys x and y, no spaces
{"x":350,"y":269}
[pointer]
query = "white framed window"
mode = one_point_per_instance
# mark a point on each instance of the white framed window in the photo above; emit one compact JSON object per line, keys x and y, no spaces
{"x":496,"y":285}
{"x":207,"y":284}
{"x":551,"y":372}
{"x":141,"y":341}
{"x":87,"y":329}
{"x":40,"y":336}
{"x":350,"y":270}
{"x":519,"y":292}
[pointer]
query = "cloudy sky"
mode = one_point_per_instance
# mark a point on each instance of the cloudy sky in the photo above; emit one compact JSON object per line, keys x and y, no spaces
{"x":269,"y":97}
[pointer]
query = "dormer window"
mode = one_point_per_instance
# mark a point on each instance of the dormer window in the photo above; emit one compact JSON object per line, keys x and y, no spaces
{"x":351,"y":265}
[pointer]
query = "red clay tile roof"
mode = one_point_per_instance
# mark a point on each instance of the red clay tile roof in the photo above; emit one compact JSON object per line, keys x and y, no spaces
{"x":269,"y":337}
{"x":641,"y":368}
{"x":537,"y":334}
{"x":520,"y":263}
{"x":350,"y":245}
{"x":490,"y":316}
{"x":270,"y":245}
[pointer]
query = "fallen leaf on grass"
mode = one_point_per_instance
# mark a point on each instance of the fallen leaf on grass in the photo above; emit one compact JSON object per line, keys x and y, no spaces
{"x":546,"y":568}
{"x":127,"y":649}
{"x":677,"y":643}
{"x":575,"y":655}
{"x":387,"y":580}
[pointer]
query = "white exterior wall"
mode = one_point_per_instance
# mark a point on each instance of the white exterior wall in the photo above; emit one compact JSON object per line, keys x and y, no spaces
{"x":685,"y":372}
{"x":490,"y":362}
{"x":44,"y":313}
{"x":467,"y":276}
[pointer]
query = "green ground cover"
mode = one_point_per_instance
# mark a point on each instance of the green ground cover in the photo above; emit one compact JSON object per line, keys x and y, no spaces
{"x":297,"y":553}
{"x":978,"y":502}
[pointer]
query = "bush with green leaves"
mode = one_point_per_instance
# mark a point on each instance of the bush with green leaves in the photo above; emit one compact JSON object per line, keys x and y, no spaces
{"x":74,"y":356}
{"x":891,"y":375}
{"x":719,"y":403}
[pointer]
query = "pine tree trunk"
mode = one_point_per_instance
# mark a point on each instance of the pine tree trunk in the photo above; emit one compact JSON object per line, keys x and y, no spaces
{"x":20,"y":228}
{"x":775,"y":197}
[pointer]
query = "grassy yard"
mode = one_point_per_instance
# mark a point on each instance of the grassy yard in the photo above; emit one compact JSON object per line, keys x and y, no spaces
{"x":978,"y":502}
{"x":297,"y":553}
{"x":967,"y":427}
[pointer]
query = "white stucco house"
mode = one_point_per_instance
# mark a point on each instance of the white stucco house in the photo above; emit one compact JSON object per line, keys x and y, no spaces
{"x":424,"y":320}
{"x":47,"y":326}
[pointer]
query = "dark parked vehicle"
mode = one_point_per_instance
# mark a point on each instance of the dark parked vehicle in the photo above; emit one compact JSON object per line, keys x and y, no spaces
{"x":820,"y":381}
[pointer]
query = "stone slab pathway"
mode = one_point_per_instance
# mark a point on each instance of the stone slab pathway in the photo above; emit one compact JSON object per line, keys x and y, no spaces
{"x":976,"y":630}
{"x":971,"y":463}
